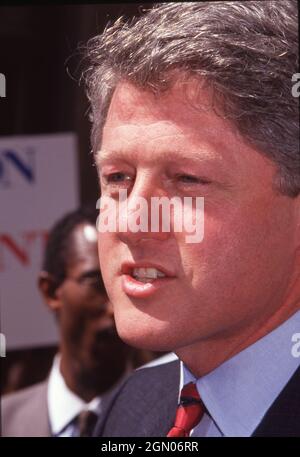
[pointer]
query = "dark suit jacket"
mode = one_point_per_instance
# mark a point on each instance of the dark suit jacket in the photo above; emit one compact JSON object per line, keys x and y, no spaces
{"x":145,"y":406}
{"x":25,"y":413}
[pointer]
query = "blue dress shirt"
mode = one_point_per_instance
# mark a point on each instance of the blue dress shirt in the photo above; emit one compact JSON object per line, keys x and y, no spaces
{"x":238,"y":393}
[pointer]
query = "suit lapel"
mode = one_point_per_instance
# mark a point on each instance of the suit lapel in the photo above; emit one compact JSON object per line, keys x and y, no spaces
{"x":162,"y":405}
{"x":283,"y":417}
{"x":146,"y":405}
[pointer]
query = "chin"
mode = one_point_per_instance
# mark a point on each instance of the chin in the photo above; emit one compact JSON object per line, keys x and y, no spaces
{"x":148,"y":343}
{"x":145,"y":333}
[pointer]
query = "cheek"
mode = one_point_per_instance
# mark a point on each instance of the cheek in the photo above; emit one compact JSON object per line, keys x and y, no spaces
{"x":188,"y":219}
{"x":241,"y":246}
{"x":73,"y":301}
{"x":105,"y":241}
{"x":70,"y":315}
{"x":106,"y":248}
{"x":103,"y":250}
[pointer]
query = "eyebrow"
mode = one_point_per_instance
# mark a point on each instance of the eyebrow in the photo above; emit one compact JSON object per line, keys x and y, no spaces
{"x":103,"y":156}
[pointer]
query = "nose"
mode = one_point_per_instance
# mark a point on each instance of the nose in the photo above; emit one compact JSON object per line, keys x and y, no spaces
{"x":140,"y":217}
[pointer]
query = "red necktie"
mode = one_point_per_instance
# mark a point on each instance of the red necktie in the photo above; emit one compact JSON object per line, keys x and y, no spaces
{"x":189,"y":412}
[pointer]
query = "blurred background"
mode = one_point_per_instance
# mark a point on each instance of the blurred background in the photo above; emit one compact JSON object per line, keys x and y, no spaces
{"x":46,"y":168}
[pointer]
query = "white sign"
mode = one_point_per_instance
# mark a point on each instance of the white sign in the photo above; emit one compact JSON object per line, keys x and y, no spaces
{"x":38,"y":185}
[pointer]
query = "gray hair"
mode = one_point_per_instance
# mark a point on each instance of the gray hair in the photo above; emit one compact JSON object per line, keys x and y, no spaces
{"x":246,"y":51}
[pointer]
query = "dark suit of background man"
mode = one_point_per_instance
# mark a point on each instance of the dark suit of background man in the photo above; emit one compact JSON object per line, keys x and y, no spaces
{"x":91,"y":357}
{"x":195,"y":99}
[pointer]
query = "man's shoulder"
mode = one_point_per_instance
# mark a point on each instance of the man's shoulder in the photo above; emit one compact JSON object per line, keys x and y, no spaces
{"x":143,"y":380}
{"x":23,"y":396}
{"x":283,"y":417}
{"x":25,"y":409}
{"x":163,"y":367}
{"x":134,"y":405}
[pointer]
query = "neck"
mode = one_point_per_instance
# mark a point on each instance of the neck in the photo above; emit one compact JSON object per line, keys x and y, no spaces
{"x":206,"y":355}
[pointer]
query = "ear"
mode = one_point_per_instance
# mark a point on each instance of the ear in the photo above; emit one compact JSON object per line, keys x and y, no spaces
{"x":49,"y":290}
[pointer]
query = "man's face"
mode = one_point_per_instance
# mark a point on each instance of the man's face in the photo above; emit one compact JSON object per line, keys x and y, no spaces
{"x":238,"y":276}
{"x":85,"y":314}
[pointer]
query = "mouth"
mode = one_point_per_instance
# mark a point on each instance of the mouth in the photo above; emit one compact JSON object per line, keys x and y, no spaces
{"x":142,"y":280}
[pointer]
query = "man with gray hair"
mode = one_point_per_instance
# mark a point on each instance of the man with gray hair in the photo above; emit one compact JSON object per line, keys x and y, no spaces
{"x":195,"y":100}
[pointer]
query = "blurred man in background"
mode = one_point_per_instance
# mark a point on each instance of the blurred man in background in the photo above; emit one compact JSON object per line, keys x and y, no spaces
{"x":91,"y":358}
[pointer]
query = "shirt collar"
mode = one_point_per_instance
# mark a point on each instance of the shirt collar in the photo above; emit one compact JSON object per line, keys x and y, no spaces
{"x":63,"y":404}
{"x":239,"y":392}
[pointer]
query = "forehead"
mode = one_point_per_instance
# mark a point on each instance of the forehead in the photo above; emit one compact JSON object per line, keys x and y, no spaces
{"x":179,"y":124}
{"x":179,"y":110}
{"x":84,"y":245}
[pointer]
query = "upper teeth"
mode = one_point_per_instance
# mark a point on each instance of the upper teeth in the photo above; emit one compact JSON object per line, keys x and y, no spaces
{"x":151,"y":273}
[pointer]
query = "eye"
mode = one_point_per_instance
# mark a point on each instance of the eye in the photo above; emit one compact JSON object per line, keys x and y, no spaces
{"x":187,"y":179}
{"x":117,"y":179}
{"x":190,"y":179}
{"x":112,"y":182}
